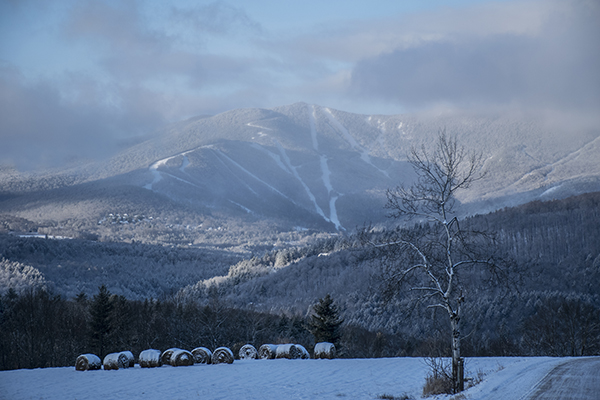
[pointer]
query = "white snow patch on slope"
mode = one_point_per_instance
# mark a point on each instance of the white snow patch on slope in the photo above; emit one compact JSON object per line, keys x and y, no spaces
{"x":254,"y":125}
{"x":364,"y":154}
{"x":184,"y":163}
{"x":325,"y":171}
{"x":311,"y":196}
{"x":274,"y":156}
{"x":313,"y":128}
{"x":229,"y":159}
{"x":333,"y":213}
{"x":249,"y":211}
{"x":158,"y":175}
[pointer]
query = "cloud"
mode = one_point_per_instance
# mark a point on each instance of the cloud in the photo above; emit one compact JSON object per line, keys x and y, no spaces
{"x":554,"y":66}
{"x":216,"y":18}
{"x":123,"y":77}
{"x":112,"y":70}
{"x":41,"y":127}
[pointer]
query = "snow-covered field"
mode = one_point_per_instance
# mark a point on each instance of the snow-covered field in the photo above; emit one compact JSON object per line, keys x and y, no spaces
{"x":505,"y":378}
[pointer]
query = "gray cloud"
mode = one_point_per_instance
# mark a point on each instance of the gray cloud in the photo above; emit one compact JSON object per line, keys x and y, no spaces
{"x":140,"y":80}
{"x":127,"y":72}
{"x":216,"y":18}
{"x":41,"y":127}
{"x":554,"y":68}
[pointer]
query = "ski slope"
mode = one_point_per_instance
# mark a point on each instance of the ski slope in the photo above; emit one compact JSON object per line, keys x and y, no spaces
{"x":503,"y":378}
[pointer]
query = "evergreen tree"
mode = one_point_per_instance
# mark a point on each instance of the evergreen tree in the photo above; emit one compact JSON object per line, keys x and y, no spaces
{"x":101,"y":309}
{"x":325,"y":322}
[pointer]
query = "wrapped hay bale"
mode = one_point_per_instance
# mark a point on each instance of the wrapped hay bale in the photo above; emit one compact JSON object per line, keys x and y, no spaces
{"x":325,"y":350}
{"x":267,"y":351}
{"x":304,"y":354}
{"x":180,"y":358}
{"x":289,"y":351}
{"x":248,"y":352}
{"x":165,"y":357}
{"x":115,"y":361}
{"x":202,"y":355}
{"x":222,"y":355}
{"x":130,"y":358}
{"x":86,"y":362}
{"x":150,"y":358}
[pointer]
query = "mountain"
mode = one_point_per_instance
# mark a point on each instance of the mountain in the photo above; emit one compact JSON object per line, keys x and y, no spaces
{"x":302,"y":167}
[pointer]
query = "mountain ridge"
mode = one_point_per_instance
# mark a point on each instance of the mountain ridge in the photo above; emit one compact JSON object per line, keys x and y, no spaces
{"x":305,"y":165}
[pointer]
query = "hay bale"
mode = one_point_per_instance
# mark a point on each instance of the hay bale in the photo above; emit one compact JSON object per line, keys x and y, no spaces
{"x":130,"y":358}
{"x":248,"y":352}
{"x":150,"y":358}
{"x":202,"y":355}
{"x":87,"y":362}
{"x":181,"y":358}
{"x":115,"y":361}
{"x":222,"y":355}
{"x":304,"y":354}
{"x":267,"y":351}
{"x":325,"y":350}
{"x":165,"y":357}
{"x":289,"y":351}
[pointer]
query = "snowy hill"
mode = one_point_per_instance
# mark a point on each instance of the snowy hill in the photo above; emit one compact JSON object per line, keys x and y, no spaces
{"x":308,"y":166}
{"x":313,"y":164}
{"x":400,"y":378}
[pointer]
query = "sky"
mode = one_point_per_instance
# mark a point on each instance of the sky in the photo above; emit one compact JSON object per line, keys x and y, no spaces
{"x":80,"y":79}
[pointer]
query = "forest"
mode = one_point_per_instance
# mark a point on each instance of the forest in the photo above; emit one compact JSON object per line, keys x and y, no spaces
{"x":551,"y":306}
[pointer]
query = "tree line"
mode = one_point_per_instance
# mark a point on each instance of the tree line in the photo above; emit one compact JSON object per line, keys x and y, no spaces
{"x":40,"y":329}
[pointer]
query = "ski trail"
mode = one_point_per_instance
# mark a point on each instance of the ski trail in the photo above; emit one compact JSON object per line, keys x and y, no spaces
{"x":364,"y":154}
{"x":260,"y":133}
{"x":333,"y":213}
{"x":274,"y":156}
{"x":325,"y":171}
{"x":552,"y":166}
{"x":252,"y":124}
{"x":249,"y":211}
{"x":184,"y":163}
{"x":311,"y":196}
{"x":158,"y":175}
{"x":313,"y":128}
{"x":230,"y":170}
{"x":233,"y":162}
{"x":326,"y":174}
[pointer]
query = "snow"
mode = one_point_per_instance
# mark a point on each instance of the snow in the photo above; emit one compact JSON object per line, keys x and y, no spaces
{"x":325,"y":172}
{"x":157,"y":177}
{"x":333,"y":213}
{"x":364,"y":154}
{"x":313,"y":128}
{"x":505,"y":378}
{"x":311,"y":196}
{"x":274,"y":156}
{"x":220,"y":154}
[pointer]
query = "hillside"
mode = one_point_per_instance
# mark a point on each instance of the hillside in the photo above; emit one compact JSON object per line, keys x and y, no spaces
{"x":553,"y":247}
{"x":399,"y":378}
{"x":295,"y":168}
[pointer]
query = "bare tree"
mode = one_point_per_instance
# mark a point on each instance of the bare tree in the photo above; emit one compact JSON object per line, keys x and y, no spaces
{"x":436,"y":259}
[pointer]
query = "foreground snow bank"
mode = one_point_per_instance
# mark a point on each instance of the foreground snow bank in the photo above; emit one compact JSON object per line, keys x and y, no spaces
{"x":504,"y":378}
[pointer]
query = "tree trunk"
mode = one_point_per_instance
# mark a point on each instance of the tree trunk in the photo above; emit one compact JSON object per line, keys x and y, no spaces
{"x":457,"y":362}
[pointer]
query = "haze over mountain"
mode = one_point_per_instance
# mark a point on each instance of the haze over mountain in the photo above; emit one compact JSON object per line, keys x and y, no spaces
{"x":307,"y":166}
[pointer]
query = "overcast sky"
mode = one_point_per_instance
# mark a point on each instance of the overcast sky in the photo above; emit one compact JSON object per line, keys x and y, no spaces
{"x":80,"y":78}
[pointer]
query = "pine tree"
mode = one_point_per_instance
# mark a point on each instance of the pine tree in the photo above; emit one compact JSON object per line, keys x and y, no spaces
{"x":325,"y":322}
{"x":101,"y":309}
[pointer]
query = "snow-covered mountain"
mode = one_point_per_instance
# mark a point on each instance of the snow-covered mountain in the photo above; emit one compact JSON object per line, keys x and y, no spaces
{"x":317,"y":167}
